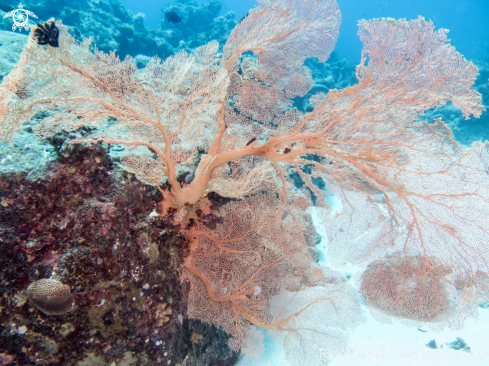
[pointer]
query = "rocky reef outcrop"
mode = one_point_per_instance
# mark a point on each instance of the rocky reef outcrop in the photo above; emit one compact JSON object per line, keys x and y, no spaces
{"x":93,"y":228}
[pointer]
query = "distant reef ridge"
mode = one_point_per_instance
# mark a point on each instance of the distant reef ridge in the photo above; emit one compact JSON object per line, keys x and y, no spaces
{"x":113,"y":27}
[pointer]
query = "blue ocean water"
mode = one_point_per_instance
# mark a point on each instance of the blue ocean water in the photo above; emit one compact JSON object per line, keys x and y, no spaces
{"x":467,"y":20}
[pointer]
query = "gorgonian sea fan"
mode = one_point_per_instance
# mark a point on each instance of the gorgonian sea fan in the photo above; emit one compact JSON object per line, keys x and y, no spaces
{"x":408,"y":196}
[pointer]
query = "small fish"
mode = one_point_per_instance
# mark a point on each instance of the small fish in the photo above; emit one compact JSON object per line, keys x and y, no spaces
{"x":173,"y":17}
{"x":47,"y":33}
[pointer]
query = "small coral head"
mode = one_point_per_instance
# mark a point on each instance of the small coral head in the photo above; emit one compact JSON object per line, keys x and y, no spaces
{"x":50,"y":296}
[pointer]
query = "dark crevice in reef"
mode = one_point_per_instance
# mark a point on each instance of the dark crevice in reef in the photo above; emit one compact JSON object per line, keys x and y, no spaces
{"x":89,"y":224}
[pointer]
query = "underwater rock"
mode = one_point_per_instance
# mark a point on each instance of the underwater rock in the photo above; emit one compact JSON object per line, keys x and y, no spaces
{"x":142,"y":61}
{"x":458,"y":345}
{"x":107,"y":21}
{"x":26,"y":153}
{"x":89,"y":222}
{"x":332,"y":74}
{"x":113,"y":27}
{"x":11,"y":46}
{"x":201,"y":24}
{"x":51,"y":296}
{"x":335,"y":73}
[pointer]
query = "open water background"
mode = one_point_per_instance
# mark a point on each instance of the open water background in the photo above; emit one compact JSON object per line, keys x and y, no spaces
{"x":467,"y":20}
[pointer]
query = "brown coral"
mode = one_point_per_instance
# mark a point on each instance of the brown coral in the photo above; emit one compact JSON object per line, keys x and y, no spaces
{"x":51,"y":296}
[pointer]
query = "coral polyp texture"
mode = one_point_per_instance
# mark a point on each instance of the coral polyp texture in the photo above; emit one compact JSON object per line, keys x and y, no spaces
{"x":240,"y":175}
{"x":50,"y":296}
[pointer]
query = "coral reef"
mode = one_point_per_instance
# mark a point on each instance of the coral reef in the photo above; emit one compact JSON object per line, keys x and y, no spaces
{"x":115,"y":28}
{"x":466,"y":131}
{"x":26,"y":153}
{"x":200,"y":25}
{"x":90,"y":225}
{"x":235,"y":175}
{"x":332,"y":74}
{"x":107,"y":21}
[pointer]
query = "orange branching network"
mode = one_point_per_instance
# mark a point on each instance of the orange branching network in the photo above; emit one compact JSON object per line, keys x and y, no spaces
{"x":399,"y":195}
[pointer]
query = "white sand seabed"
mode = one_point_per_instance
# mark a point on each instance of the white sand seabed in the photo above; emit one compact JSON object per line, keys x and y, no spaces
{"x":378,"y":344}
